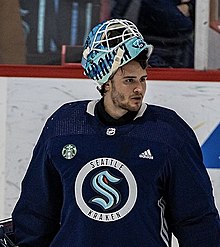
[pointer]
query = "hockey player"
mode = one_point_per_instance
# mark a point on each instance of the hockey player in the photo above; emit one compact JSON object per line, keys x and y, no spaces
{"x":116,"y":172}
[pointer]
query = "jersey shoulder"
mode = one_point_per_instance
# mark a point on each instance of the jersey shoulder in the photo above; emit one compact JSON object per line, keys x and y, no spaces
{"x":169,"y":117}
{"x":69,"y":109}
{"x":67,"y":119}
{"x":169,"y":126}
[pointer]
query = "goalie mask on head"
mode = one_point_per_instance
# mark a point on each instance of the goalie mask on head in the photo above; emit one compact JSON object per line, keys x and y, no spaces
{"x":109,"y":46}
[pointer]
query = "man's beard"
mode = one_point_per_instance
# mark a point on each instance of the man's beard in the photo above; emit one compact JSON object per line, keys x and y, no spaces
{"x":118,"y":101}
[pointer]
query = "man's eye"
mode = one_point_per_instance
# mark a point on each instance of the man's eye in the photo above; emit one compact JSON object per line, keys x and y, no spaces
{"x":129,"y":80}
{"x":144,"y":79}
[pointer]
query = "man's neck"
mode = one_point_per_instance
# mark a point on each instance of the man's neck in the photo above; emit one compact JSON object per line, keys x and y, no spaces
{"x":114,"y":112}
{"x":107,"y":119}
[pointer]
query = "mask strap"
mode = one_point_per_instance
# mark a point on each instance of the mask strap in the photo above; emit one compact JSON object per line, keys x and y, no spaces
{"x":117,"y":60}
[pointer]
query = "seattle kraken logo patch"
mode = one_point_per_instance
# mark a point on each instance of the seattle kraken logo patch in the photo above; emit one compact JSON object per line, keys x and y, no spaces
{"x":101,"y":184}
{"x":105,"y":190}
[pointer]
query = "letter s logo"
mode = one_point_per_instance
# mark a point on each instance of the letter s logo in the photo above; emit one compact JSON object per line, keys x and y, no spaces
{"x":138,"y":43}
{"x":110,"y":196}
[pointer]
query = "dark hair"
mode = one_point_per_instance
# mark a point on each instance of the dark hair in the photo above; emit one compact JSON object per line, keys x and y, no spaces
{"x":140,"y":58}
{"x":101,"y":89}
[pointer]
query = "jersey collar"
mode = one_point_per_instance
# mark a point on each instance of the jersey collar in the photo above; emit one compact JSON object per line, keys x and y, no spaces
{"x":91,"y":108}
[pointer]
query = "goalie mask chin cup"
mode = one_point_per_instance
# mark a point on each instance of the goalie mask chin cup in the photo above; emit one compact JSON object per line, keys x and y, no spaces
{"x":111,"y":45}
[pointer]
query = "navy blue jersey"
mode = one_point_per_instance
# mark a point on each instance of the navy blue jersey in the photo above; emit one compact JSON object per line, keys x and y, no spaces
{"x":93,"y":185}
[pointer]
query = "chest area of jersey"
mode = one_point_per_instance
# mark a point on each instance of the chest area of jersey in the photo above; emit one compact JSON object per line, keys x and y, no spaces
{"x":105,"y":175}
{"x":71,"y":153}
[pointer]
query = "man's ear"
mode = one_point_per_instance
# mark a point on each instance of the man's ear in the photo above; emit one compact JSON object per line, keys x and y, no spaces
{"x":107,"y":86}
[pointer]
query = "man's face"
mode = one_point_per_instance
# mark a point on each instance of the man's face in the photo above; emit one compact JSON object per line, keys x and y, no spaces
{"x":126,"y":90}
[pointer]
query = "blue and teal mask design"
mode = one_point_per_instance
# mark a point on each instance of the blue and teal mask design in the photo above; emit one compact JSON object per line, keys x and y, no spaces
{"x":111,"y":45}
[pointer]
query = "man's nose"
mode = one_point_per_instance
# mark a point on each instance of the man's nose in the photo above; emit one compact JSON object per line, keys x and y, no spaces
{"x":139,"y":87}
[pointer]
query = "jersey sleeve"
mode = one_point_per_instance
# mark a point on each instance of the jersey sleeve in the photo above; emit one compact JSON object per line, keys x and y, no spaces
{"x":36,"y":216}
{"x":191,"y":210}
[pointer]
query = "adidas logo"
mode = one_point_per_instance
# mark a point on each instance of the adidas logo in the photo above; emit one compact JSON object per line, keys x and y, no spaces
{"x":146,"y":155}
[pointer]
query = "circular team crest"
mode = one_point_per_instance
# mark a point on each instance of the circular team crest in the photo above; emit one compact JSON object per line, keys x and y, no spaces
{"x":100,"y":190}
